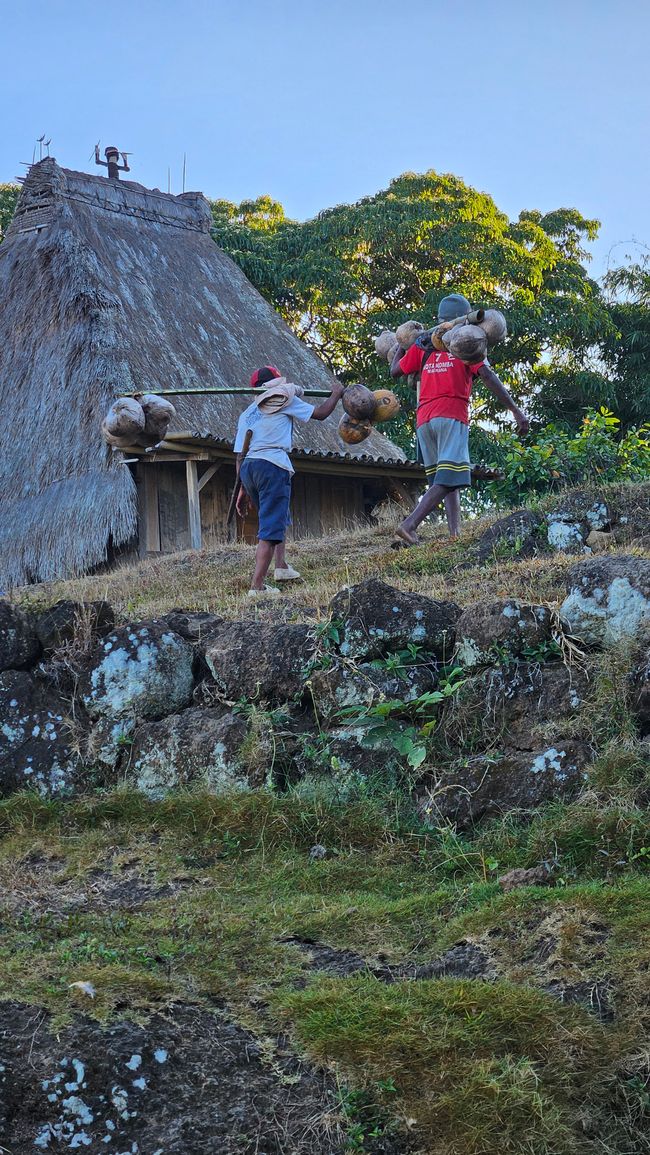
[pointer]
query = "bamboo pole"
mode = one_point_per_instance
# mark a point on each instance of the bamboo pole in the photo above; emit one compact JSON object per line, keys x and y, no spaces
{"x":228,"y":391}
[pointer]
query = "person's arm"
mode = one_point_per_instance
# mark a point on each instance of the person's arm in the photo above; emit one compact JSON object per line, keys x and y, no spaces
{"x":498,"y":389}
{"x":395,"y":370}
{"x":329,"y":404}
{"x":406,"y":363}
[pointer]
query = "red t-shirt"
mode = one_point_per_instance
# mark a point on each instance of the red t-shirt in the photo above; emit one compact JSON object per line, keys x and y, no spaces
{"x":445,"y":384}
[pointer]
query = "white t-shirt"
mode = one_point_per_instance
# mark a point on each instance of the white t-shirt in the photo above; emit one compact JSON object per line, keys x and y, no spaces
{"x":272,"y":432}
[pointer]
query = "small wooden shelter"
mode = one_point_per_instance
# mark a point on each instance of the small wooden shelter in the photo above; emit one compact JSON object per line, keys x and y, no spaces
{"x":105,"y":288}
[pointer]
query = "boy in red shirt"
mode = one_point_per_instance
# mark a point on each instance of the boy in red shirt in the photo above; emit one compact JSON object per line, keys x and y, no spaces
{"x":443,"y":421}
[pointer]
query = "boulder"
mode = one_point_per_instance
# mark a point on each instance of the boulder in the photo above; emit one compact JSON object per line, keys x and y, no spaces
{"x":598,"y":540}
{"x":142,"y":670}
{"x":183,"y":1082}
{"x":66,"y":620}
{"x":342,"y":685}
{"x":196,"y":747}
{"x":489,"y":786}
{"x":193,"y":625}
{"x":507,"y":628}
{"x":259,"y":661}
{"x":573,"y":519}
{"x":106,"y":743}
{"x":20,"y":648}
{"x":35,"y":751}
{"x":640,"y":681}
{"x":376,"y":619}
{"x":339,"y":763}
{"x":608,"y":599}
{"x":516,"y":536}
{"x":503,"y":707}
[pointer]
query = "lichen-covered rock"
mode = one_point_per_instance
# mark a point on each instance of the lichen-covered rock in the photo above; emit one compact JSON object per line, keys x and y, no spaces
{"x":66,"y":620}
{"x":573,"y":519}
{"x":608,"y":599}
{"x":196,"y":747}
{"x":507,"y":628}
{"x":504,"y":707}
{"x":338,"y":764}
{"x":188,"y":1081}
{"x":193,"y":625}
{"x":344,"y":685}
{"x":35,"y":753}
{"x":640,"y":681}
{"x":490,"y":785}
{"x":105,"y":744}
{"x":376,"y":619}
{"x":143,"y":670}
{"x":565,"y":536}
{"x":516,"y":535}
{"x":259,"y":661}
{"x":19,"y":647}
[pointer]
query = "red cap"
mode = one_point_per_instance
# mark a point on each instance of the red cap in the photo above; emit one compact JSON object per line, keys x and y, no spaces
{"x":255,"y":377}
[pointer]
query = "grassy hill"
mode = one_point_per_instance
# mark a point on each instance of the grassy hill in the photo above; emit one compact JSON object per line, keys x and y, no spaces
{"x":447,"y":1013}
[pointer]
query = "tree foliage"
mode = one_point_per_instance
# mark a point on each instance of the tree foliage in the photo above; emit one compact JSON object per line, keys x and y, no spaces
{"x":8,"y":198}
{"x":626,"y":352}
{"x":354,"y":270}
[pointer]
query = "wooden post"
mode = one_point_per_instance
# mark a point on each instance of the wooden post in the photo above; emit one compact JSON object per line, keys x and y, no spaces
{"x":194,"y":504}
{"x":149,"y":517}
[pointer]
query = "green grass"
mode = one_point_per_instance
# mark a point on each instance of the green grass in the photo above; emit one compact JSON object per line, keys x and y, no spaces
{"x":478,"y":1067}
{"x":461,"y":1066}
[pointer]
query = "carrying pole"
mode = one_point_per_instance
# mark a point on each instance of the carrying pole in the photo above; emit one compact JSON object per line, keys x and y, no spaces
{"x":228,"y":391}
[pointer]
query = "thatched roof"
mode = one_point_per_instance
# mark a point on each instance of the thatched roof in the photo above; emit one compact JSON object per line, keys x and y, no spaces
{"x":107,"y":287}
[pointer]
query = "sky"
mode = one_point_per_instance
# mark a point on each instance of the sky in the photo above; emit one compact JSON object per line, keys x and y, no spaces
{"x":320,"y":102}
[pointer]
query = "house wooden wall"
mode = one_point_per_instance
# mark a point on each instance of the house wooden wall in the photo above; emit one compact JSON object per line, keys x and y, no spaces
{"x":321,"y":503}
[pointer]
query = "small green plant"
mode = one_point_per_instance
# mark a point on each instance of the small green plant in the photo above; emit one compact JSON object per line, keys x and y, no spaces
{"x":365,"y":1116}
{"x":406,"y":726}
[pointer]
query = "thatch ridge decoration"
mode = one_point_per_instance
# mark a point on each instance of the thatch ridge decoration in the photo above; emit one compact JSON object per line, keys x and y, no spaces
{"x":107,"y":287}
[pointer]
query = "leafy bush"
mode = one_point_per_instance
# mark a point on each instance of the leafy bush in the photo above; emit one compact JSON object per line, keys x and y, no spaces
{"x":557,"y":458}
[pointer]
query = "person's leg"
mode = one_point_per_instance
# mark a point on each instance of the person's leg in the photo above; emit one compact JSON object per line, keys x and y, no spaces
{"x":428,"y":450}
{"x":273,"y":489}
{"x":452,"y":510}
{"x":434,"y":497}
{"x":263,"y":558}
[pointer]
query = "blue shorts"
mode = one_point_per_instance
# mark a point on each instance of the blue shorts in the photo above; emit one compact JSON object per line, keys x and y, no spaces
{"x":269,"y":488}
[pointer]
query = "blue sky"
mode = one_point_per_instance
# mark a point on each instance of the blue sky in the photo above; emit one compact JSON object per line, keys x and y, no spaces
{"x":541,"y":105}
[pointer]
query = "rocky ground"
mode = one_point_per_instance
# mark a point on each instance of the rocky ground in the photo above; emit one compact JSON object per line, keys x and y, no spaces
{"x":362,"y":869}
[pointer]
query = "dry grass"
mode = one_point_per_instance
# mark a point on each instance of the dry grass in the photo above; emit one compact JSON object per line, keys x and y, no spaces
{"x":217,"y":579}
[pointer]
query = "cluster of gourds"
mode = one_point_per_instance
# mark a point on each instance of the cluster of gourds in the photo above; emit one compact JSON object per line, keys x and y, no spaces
{"x":468,"y":338}
{"x":363,"y":409}
{"x":142,"y":420}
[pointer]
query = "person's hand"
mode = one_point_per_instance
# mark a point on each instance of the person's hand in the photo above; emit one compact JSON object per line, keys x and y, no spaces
{"x":522,"y":421}
{"x":337,"y":389}
{"x":242,"y":503}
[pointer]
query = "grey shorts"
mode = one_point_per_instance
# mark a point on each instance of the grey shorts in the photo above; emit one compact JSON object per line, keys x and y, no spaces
{"x":444,"y":445}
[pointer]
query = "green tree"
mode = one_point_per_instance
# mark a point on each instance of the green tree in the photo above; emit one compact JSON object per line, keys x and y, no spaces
{"x":8,"y":198}
{"x":626,"y":352}
{"x":356,"y":269}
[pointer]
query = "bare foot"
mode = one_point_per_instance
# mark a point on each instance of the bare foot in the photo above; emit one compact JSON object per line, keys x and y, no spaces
{"x":406,"y":538}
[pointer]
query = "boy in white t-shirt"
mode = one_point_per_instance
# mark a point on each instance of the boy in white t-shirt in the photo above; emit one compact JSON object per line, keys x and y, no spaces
{"x":265,"y":472}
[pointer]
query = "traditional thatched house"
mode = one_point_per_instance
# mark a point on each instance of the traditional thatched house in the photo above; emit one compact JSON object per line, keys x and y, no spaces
{"x":107,"y":287}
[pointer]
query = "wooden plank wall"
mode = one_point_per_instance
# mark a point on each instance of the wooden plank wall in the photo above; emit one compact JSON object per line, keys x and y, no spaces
{"x":321,"y":503}
{"x":172,"y":504}
{"x":215,"y":498}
